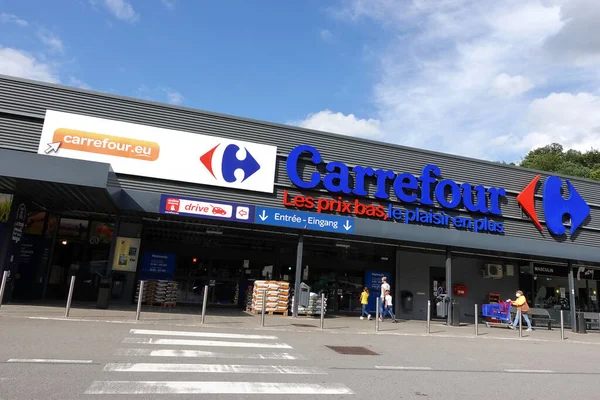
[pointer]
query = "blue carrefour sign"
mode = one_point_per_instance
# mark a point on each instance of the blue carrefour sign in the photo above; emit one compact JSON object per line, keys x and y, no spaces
{"x":407,"y":187}
{"x":303,"y":220}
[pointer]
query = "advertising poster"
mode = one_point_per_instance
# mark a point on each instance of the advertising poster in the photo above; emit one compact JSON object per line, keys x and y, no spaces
{"x":373,"y":282}
{"x":157,"y":266}
{"x":5,"y":205}
{"x":126,"y":254}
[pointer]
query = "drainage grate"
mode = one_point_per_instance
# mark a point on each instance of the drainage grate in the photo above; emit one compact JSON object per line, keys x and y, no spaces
{"x":353,"y":351}
{"x":304,"y":325}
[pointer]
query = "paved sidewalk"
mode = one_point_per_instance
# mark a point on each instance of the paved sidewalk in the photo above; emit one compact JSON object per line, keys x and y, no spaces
{"x":233,"y":318}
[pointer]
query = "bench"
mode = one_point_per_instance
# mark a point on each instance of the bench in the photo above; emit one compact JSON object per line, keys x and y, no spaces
{"x":536,"y":315}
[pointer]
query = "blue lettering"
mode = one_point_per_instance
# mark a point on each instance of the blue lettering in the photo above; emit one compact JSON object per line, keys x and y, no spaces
{"x":382,"y":177}
{"x":426,"y":181}
{"x":479,"y":205}
{"x":458,"y":222}
{"x":292,"y":166}
{"x":341,"y":176}
{"x":406,"y":181}
{"x":397,"y":213}
{"x":440,"y":194}
{"x":499,"y":227}
{"x":359,"y":179}
{"x":495,"y":194}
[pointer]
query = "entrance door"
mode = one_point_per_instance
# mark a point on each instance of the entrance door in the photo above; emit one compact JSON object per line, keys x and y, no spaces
{"x":437,"y":286}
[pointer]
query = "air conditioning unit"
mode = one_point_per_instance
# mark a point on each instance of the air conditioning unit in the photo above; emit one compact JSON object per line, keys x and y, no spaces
{"x":492,"y":271}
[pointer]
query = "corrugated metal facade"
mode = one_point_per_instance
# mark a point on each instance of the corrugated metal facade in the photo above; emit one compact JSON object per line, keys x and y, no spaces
{"x":23,"y":104}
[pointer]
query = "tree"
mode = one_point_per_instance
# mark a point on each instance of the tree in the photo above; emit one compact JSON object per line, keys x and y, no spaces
{"x":553,"y":158}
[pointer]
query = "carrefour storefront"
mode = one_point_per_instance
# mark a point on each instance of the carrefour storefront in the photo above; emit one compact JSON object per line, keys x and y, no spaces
{"x":115,"y":190}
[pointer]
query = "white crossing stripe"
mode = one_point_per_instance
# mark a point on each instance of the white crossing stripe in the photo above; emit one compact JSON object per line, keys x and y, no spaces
{"x":48,"y":361}
{"x":215,"y":343}
{"x":530,"y":371}
{"x":212,"y":368}
{"x":404,"y":368}
{"x":189,"y":387}
{"x":204,"y":354}
{"x":200,"y":334}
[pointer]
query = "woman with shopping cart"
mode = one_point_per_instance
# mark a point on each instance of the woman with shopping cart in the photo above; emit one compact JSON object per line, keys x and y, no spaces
{"x":521,"y":303}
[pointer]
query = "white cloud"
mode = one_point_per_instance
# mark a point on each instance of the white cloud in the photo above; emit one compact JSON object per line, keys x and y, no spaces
{"x":511,"y":86}
{"x":52,"y":41}
{"x":123,"y":10}
{"x":5,"y":18}
{"x":23,"y":65}
{"x":326,"y":35}
{"x":174,"y":97}
{"x":457,"y":75}
{"x":168,"y":3}
{"x":570,"y":119}
{"x":78,"y":83}
{"x":329,"y":121}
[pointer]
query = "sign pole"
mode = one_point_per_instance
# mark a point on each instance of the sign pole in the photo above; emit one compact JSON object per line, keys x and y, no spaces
{"x":70,"y":296}
{"x":204,"y":301}
{"x":5,"y":276}
{"x":299,"y":252}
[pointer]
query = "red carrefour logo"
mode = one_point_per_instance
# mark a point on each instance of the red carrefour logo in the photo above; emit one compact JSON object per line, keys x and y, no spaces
{"x":229,"y":163}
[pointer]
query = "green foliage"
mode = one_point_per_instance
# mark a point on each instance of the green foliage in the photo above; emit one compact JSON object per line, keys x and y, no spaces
{"x":5,"y":203}
{"x":553,"y":158}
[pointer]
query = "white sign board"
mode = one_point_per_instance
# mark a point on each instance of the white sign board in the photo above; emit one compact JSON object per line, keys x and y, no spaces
{"x":141,"y":150}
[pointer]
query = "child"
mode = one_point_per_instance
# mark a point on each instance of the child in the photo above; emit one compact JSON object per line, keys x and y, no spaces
{"x":364,"y":300}
{"x":388,"y":307}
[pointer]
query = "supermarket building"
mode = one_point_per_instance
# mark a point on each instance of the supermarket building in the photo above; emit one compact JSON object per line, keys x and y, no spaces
{"x":117,"y":190}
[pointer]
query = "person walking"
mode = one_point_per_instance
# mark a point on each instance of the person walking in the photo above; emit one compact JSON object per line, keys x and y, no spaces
{"x":521,"y":303}
{"x":385,"y":287}
{"x":364,"y":301}
{"x":389,"y":307}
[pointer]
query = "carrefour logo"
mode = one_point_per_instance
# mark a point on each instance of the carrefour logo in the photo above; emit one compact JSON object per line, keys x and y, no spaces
{"x":230,"y":163}
{"x":555,"y":205}
{"x":239,"y":165}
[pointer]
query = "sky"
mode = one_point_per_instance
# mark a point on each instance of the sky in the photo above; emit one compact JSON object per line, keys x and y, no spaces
{"x":479,"y":78}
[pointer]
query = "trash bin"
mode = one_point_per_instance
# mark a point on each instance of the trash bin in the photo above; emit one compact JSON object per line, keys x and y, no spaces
{"x":581,"y":324}
{"x":441,"y":306}
{"x":103,"y":294}
{"x":455,"y":320}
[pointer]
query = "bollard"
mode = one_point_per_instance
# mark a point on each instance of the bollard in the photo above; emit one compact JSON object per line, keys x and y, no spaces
{"x":377,"y":315}
{"x":140,"y":298}
{"x":562,"y":325}
{"x":520,"y":323}
{"x":428,"y":317}
{"x":204,"y":301}
{"x":322,"y":309}
{"x":476,"y":320}
{"x":70,"y":296}
{"x":5,"y":276}
{"x":264,"y":307}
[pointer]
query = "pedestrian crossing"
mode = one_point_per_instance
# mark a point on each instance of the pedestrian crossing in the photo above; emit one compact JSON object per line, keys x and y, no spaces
{"x":188,"y":362}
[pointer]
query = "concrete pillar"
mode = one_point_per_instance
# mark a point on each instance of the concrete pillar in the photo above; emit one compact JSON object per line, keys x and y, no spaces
{"x":572,"y":297}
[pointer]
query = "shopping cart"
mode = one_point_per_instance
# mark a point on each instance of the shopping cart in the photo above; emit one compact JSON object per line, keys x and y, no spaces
{"x":498,"y":314}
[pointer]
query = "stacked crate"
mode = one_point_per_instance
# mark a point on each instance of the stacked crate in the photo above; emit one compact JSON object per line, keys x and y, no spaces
{"x":158,"y":292}
{"x":314,"y":305}
{"x":278,"y":294}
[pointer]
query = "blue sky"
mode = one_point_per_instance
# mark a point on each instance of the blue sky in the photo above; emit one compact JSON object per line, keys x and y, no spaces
{"x":468,"y":77}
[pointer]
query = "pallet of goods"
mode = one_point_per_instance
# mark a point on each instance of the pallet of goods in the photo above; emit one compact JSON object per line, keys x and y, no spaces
{"x":314,"y":305}
{"x":158,"y":292}
{"x":278,"y":294}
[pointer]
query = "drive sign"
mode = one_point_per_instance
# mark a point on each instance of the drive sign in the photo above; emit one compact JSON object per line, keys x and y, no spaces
{"x":152,"y":152}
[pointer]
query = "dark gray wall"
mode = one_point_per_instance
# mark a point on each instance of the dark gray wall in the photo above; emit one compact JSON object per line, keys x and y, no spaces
{"x":23,"y":104}
{"x":414,"y":277}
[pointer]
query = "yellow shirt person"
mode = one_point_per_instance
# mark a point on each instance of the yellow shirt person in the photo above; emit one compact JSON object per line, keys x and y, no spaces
{"x":364,"y":301}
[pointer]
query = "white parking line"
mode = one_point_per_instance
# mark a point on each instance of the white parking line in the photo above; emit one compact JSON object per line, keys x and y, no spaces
{"x":212,"y":368}
{"x":530,"y":371}
{"x":200,"y":334}
{"x":214,"y":343}
{"x":167,"y":387}
{"x":48,"y":361}
{"x":204,"y":354}
{"x":403,"y":368}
